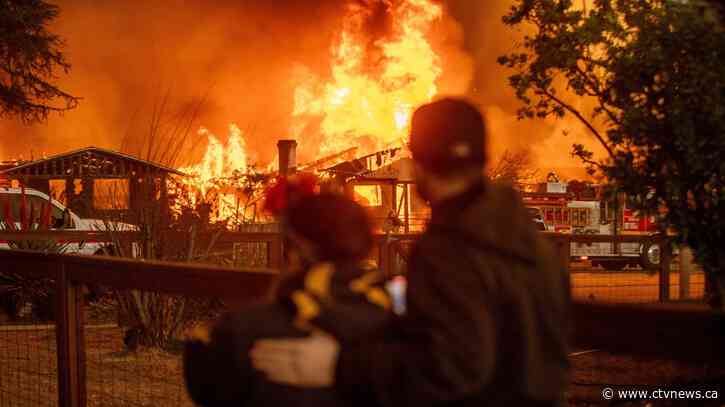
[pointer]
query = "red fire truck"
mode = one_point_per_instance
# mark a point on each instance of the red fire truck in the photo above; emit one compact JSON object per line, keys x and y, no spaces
{"x":586,"y":211}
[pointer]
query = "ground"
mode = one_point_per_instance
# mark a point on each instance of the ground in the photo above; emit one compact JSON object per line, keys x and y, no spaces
{"x":592,"y":372}
{"x":150,"y":377}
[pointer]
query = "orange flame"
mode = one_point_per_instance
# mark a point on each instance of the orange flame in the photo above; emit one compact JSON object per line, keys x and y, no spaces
{"x":367,"y":98}
{"x":219,"y":161}
{"x":214,"y":177}
{"x":367,"y":102}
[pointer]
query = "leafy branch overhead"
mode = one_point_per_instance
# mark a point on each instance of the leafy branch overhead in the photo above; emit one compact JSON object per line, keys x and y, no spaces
{"x":30,"y":58}
{"x":653,"y":74}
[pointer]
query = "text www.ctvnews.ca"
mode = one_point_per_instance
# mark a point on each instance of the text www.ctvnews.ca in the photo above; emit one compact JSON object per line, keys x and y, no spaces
{"x":609,"y":393}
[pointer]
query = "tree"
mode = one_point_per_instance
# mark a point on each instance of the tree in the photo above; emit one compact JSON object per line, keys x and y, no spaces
{"x":654,"y":72}
{"x":513,"y":168}
{"x":30,"y":56}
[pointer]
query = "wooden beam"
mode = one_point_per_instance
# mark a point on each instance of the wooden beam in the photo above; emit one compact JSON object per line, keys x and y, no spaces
{"x":167,"y":277}
{"x":173,"y":278}
{"x":69,"y":337}
{"x":664,"y":274}
{"x":68,"y":235}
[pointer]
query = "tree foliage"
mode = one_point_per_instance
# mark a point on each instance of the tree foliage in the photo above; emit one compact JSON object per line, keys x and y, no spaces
{"x":654,"y":72}
{"x":30,"y":56}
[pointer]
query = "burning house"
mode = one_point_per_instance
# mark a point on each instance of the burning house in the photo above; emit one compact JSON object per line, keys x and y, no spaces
{"x":95,"y":182}
{"x":375,"y":82}
{"x":383,"y":182}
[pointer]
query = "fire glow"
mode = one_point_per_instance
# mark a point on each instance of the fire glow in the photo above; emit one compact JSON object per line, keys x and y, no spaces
{"x":369,"y":98}
{"x":215,"y":180}
{"x":219,"y":161}
{"x":373,"y":88}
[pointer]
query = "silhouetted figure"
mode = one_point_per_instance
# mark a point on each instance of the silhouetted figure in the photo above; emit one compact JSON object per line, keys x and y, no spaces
{"x":329,"y":289}
{"x":487,"y":298}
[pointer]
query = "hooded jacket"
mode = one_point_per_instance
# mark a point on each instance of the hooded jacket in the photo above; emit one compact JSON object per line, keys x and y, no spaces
{"x":486,"y":320}
{"x":342,"y":299}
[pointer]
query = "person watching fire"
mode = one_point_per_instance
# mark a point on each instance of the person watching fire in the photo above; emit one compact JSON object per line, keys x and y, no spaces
{"x":329,"y":288}
{"x":487,"y":302}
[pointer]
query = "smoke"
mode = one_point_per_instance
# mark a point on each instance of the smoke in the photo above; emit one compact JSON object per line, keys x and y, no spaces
{"x":126,"y":56}
{"x":239,"y":58}
{"x":548,"y":141}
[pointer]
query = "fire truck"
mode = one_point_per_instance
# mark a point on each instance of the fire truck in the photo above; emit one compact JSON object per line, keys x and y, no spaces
{"x":584,"y":209}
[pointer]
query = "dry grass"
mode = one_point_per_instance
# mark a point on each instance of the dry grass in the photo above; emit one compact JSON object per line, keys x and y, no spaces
{"x":592,"y":372}
{"x":147,"y":377}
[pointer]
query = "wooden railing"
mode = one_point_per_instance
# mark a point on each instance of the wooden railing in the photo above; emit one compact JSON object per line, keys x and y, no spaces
{"x":562,"y":244}
{"x":70,"y":272}
{"x":385,"y":244}
{"x":640,"y":330}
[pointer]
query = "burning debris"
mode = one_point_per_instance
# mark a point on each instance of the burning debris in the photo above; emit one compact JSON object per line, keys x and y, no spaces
{"x":223,"y":180}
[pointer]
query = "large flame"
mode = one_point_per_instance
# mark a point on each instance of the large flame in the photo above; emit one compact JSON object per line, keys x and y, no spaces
{"x":375,"y":85}
{"x":373,"y":90}
{"x":215,"y":180}
{"x":219,"y":161}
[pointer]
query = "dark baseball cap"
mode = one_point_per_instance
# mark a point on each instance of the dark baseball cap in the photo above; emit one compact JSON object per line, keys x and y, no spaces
{"x":447,"y":135}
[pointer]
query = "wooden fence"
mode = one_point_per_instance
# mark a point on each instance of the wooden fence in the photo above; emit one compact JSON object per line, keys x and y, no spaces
{"x":651,"y":330}
{"x":561,"y":242}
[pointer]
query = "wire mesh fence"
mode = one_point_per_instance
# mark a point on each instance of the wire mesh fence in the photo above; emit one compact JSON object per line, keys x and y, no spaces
{"x":133,"y":347}
{"x":28,"y":363}
{"x":631,"y":285}
{"x":130,"y":338}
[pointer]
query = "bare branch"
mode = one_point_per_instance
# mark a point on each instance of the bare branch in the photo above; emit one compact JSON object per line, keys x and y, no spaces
{"x":581,"y":118}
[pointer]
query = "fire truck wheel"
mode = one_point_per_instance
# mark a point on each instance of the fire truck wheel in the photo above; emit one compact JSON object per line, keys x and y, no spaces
{"x":649,"y":257}
{"x":614,"y":265}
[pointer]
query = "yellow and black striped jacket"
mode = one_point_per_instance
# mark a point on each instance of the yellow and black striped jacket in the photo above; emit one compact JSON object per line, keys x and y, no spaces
{"x":345,"y":300}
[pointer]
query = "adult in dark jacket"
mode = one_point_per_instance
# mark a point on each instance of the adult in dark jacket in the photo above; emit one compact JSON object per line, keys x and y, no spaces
{"x":487,"y":298}
{"x":332,"y":291}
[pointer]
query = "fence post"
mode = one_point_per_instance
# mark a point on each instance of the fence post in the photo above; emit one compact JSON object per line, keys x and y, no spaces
{"x":665,"y":261}
{"x":69,"y":341}
{"x":274,"y":252}
{"x":562,"y":245}
{"x":685,"y":270}
{"x":384,"y":255}
{"x":287,"y":156}
{"x":565,"y":250}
